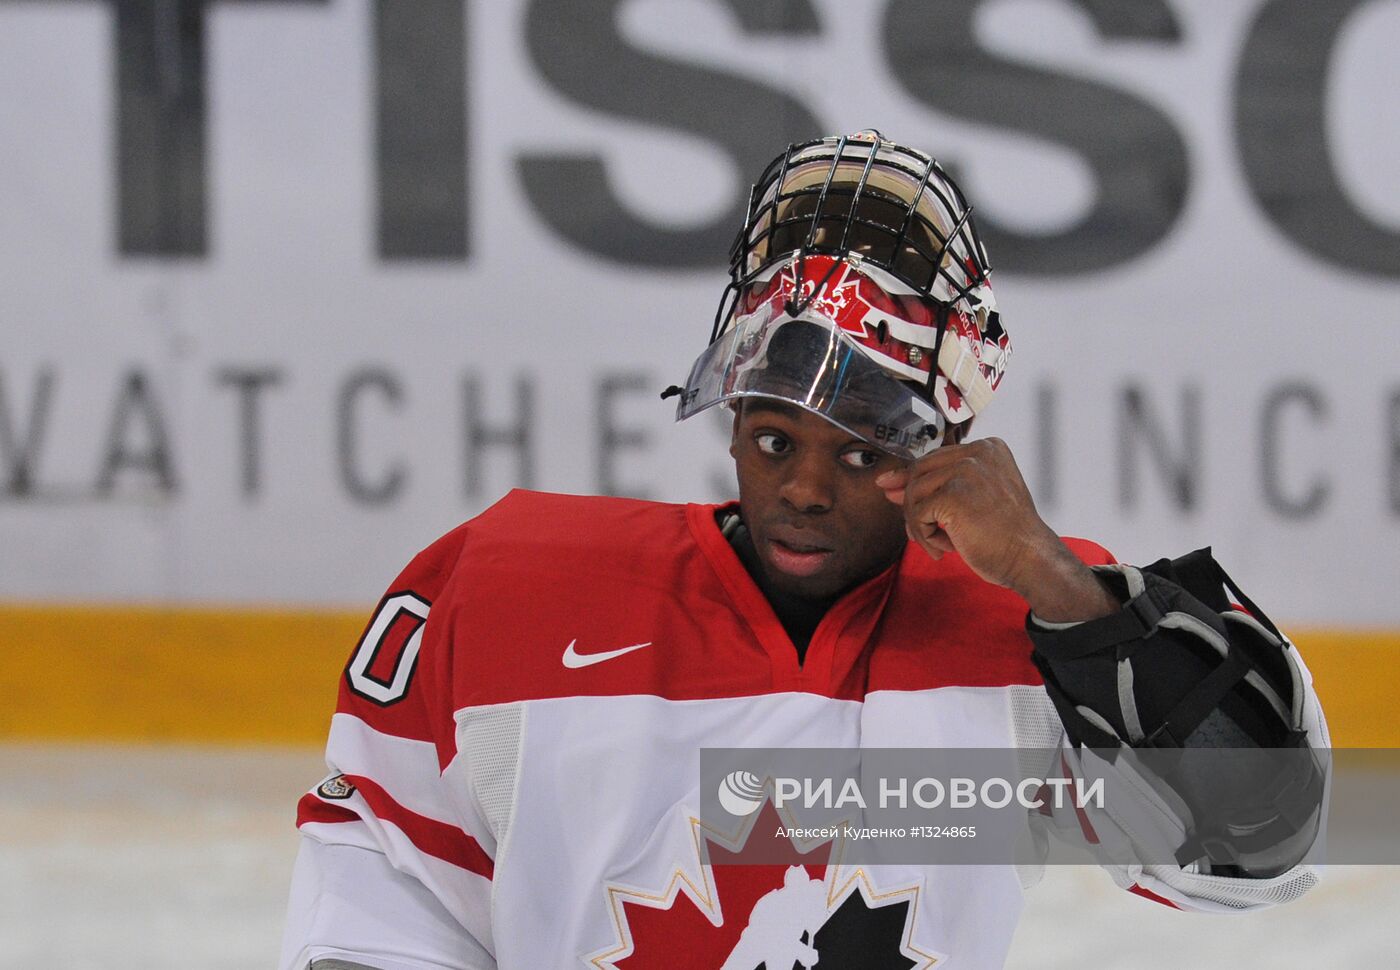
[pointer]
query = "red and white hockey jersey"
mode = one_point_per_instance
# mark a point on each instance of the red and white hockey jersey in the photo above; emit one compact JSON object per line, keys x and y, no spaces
{"x":515,"y":754}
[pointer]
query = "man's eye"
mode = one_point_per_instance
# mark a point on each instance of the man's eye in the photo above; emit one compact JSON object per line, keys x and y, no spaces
{"x":772,"y":444}
{"x":861,"y":458}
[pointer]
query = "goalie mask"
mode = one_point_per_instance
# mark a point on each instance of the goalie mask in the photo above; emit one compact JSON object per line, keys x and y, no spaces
{"x":859,"y":291}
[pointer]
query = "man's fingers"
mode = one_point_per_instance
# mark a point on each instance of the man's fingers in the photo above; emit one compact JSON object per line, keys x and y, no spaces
{"x":924,"y":487}
{"x":930,"y":536}
{"x":933,"y":539}
{"x":926,"y":520}
{"x":893,"y":483}
{"x":933,"y":471}
{"x":940,"y":541}
{"x":914,"y":490}
{"x":944,"y":455}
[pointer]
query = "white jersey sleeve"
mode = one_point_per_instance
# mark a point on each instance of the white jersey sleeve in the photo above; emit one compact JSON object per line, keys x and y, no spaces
{"x":396,"y":863}
{"x":351,"y":905}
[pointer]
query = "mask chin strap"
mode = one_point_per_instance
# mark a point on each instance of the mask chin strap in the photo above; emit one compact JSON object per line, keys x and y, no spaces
{"x":728,"y":300}
{"x":937,"y":349}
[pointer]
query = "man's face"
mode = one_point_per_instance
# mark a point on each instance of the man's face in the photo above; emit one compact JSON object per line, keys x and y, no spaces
{"x":808,"y":496}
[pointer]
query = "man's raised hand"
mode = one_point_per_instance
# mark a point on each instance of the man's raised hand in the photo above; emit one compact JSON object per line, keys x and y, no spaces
{"x":971,"y":498}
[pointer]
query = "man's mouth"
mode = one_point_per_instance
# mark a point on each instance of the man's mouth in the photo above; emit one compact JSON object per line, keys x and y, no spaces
{"x":798,"y":557}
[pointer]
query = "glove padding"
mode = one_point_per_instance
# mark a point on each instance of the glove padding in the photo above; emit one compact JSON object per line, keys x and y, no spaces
{"x":1211,"y":698}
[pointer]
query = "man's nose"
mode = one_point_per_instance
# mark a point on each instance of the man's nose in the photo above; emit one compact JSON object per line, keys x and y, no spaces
{"x":809,"y":483}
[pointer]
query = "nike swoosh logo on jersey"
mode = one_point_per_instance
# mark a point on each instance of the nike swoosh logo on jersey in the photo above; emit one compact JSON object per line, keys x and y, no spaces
{"x":574,"y":660}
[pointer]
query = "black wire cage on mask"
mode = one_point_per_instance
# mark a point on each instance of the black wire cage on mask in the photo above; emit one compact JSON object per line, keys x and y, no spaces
{"x":864,"y":198}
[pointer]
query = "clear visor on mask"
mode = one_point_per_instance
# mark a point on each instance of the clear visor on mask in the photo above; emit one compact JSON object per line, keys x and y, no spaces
{"x":809,"y":362}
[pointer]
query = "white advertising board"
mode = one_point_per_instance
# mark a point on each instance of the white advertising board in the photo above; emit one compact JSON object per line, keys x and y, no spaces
{"x":290,"y":288}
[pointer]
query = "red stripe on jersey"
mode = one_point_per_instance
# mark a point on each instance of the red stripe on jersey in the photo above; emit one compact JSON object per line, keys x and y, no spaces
{"x":1149,"y":894}
{"x":313,"y":809}
{"x":437,"y":839}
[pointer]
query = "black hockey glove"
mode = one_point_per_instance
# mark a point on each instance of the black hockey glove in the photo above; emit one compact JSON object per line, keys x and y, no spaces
{"x":1178,"y":669}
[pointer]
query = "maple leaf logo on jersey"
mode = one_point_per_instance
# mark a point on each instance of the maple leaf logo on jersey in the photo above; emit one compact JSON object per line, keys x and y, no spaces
{"x":719,"y":911}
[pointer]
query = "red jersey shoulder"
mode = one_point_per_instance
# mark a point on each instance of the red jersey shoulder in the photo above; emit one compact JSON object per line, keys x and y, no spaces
{"x":533,"y":550}
{"x":387,"y":681}
{"x":506,"y":561}
{"x":945,"y":626}
{"x":549,"y":587}
{"x":529,"y":525}
{"x":544,"y":530}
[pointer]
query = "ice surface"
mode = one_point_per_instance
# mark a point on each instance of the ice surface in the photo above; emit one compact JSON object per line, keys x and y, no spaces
{"x":124,"y":858}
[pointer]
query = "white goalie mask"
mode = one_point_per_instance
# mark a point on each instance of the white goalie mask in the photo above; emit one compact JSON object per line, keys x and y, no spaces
{"x":872,"y":249}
